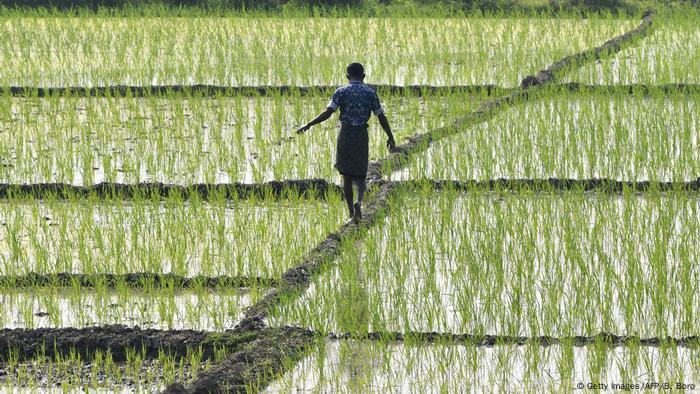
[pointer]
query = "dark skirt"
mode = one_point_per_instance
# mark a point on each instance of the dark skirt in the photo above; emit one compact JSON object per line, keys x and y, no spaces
{"x":352,"y":151}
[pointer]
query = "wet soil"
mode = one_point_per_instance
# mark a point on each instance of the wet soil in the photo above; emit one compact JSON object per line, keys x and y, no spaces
{"x":556,"y":184}
{"x":309,"y":188}
{"x":257,"y":362}
{"x":50,"y":342}
{"x":25,"y":345}
{"x":602,"y":338}
{"x":50,"y":377}
{"x":133,"y":280}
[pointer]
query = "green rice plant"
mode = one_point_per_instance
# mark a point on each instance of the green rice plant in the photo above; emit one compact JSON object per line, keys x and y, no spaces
{"x":98,"y":373}
{"x":83,"y":141}
{"x":199,"y":309}
{"x":253,"y":238}
{"x":97,"y":51}
{"x":622,"y":137}
{"x":669,"y":55}
{"x":349,"y":366}
{"x":559,"y":264}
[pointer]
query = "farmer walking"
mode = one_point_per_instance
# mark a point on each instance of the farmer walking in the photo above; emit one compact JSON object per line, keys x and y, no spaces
{"x":355,"y":101}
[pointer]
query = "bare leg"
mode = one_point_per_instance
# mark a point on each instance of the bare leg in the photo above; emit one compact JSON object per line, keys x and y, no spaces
{"x":347,"y":190}
{"x":361,"y":189}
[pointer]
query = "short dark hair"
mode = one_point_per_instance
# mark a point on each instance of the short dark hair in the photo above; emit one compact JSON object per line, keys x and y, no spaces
{"x":355,"y":70}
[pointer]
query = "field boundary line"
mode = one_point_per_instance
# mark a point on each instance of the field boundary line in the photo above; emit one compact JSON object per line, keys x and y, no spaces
{"x":553,"y":184}
{"x":131,"y":280}
{"x":322,"y":91}
{"x":117,"y":338}
{"x":485,"y":340}
{"x":632,"y":89}
{"x":125,"y":91}
{"x":307,"y":188}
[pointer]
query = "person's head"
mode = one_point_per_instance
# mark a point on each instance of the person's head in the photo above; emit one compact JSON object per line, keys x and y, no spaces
{"x":356,"y":72}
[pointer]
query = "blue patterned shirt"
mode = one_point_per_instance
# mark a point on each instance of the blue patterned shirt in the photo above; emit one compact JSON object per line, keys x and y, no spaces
{"x":355,"y":100}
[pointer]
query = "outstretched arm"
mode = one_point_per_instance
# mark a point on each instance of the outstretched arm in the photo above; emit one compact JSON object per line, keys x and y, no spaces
{"x":387,"y":129}
{"x":320,"y":118}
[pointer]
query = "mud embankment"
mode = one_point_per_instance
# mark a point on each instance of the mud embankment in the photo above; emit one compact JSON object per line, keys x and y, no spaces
{"x":602,"y":338}
{"x":259,"y":361}
{"x":51,"y":342}
{"x":308,"y":188}
{"x":555,"y":184}
{"x":633,"y":89}
{"x":132,"y":280}
{"x":543,"y":77}
{"x":233,"y":91}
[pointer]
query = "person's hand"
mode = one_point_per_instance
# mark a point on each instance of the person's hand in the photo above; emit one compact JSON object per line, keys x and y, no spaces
{"x":303,"y":128}
{"x":391,"y":143}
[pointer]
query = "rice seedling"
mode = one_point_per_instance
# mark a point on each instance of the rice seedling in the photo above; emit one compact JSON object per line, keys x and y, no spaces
{"x":70,"y":373}
{"x":522,"y":264}
{"x":247,"y":238}
{"x":385,"y":366}
{"x":83,"y":141}
{"x":621,"y":137}
{"x":96,"y":51}
{"x":669,"y":55}
{"x":199,"y":309}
